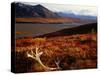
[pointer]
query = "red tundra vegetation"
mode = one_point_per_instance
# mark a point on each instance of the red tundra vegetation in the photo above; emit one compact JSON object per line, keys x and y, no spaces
{"x":77,"y":51}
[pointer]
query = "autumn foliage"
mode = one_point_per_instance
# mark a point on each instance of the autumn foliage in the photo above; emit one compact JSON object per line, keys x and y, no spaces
{"x":73,"y":52}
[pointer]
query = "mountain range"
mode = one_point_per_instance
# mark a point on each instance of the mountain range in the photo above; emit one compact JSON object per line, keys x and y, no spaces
{"x":39,"y":11}
{"x":24,"y":10}
{"x":71,"y":14}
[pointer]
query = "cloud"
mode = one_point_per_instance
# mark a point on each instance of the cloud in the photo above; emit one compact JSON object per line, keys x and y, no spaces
{"x":76,"y":9}
{"x":81,"y":10}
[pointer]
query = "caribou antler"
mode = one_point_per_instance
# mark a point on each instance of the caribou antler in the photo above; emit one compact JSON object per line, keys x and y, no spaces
{"x":57,"y":62}
{"x":37,"y":55}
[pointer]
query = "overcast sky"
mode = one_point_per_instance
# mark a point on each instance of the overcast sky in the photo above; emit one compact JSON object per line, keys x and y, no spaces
{"x":76,"y":9}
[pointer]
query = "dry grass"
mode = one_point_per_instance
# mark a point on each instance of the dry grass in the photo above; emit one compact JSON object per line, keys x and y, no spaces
{"x":74,"y":52}
{"x":46,"y":20}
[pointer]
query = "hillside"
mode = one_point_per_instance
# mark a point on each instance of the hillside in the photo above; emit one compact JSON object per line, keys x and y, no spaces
{"x":82,"y":29}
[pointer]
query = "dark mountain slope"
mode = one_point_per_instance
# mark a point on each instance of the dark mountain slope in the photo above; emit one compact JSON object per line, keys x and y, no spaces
{"x":82,"y":29}
{"x":44,"y":12}
{"x":25,"y":10}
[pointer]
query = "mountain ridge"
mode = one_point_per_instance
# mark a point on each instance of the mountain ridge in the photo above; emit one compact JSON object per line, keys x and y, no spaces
{"x":23,"y":10}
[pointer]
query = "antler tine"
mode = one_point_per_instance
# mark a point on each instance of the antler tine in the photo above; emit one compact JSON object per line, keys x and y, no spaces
{"x":57,"y":63}
{"x":29,"y":55}
{"x":36,"y":50}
